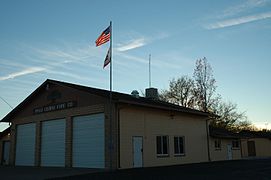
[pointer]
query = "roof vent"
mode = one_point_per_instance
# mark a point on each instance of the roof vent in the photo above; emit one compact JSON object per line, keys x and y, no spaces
{"x":151,"y":93}
{"x":135,"y":93}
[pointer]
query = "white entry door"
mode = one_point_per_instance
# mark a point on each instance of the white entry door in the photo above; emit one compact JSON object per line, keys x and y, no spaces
{"x":137,"y":151}
{"x":229,"y":151}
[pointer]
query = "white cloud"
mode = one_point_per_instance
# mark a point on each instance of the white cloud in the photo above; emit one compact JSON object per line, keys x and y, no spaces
{"x":133,"y":58}
{"x":177,"y":61}
{"x":135,"y":43}
{"x":29,"y":70}
{"x":68,"y":54}
{"x":136,"y":40}
{"x":238,"y":21}
{"x":69,"y":75}
{"x":245,"y":6}
{"x":53,"y":59}
{"x":11,"y":63}
{"x":57,"y":54}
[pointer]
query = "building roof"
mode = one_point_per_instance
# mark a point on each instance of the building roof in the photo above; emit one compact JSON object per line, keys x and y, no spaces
{"x":226,"y":134}
{"x":255,"y":134}
{"x":116,"y":97}
{"x":223,"y":133}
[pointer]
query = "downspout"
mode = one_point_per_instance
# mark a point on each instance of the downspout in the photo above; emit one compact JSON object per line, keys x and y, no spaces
{"x":241,"y":149}
{"x":118,"y":121}
{"x":208,"y":145}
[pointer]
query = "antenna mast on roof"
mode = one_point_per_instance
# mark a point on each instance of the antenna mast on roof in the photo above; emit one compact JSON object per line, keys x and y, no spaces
{"x":6,"y":102}
{"x":8,"y":105}
{"x":150,"y":71}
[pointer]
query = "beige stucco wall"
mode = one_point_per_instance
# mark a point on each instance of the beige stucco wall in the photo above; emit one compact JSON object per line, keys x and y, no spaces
{"x":262,"y":146}
{"x":151,"y":123}
{"x":222,"y":154}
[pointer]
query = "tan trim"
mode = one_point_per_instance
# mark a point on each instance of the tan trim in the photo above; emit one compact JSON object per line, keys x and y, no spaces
{"x":38,"y":144}
{"x":68,"y":143}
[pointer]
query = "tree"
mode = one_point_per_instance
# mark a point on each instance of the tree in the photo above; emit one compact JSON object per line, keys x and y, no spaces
{"x":199,"y":93}
{"x":227,"y":116}
{"x":181,"y":92}
{"x":245,"y":125}
{"x":205,"y":87}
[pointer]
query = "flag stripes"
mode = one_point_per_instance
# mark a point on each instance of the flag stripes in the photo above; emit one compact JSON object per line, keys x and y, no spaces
{"x":104,"y":37}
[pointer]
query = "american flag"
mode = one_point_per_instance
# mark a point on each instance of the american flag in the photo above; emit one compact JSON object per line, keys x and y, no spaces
{"x":104,"y":37}
{"x":107,"y":58}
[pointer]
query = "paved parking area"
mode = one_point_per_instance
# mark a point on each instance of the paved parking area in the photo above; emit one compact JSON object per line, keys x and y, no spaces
{"x":38,"y":173}
{"x":225,"y":170}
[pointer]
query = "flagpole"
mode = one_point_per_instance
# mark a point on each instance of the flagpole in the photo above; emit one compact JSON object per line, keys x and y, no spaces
{"x":110,"y":99}
{"x":103,"y":38}
{"x":150,"y":71}
{"x":111,"y":58}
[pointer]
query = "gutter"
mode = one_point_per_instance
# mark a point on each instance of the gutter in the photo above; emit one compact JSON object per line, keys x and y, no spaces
{"x":190,"y":111}
{"x":118,"y":124}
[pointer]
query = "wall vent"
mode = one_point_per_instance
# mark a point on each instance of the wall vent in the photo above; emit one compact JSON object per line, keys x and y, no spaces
{"x":135,"y":93}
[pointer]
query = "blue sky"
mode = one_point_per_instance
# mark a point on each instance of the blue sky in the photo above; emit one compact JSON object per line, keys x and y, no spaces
{"x":56,"y":40}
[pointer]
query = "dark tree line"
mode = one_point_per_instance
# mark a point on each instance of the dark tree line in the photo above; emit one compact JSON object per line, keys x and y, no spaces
{"x":199,"y":92}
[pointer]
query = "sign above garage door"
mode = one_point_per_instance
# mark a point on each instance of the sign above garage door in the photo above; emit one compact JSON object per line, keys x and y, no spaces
{"x":55,"y":107}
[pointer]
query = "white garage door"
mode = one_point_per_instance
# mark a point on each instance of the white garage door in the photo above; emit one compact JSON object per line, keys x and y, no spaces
{"x":88,"y":141}
{"x":25,"y":145}
{"x":53,"y":143}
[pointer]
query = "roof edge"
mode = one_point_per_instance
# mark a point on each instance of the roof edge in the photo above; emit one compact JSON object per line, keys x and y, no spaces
{"x":186,"y":110}
{"x":15,"y":110}
{"x":121,"y":97}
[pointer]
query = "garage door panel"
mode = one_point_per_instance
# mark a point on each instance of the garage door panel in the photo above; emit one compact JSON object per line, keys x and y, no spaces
{"x":82,"y":149}
{"x":94,"y":124}
{"x":53,"y":143}
{"x":83,"y":143}
{"x":96,"y":135}
{"x":88,"y":141}
{"x":95,"y":131}
{"x":25,"y":145}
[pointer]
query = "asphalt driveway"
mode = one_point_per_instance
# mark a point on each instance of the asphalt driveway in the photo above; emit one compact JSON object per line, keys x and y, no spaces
{"x":38,"y":173}
{"x":225,"y":170}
